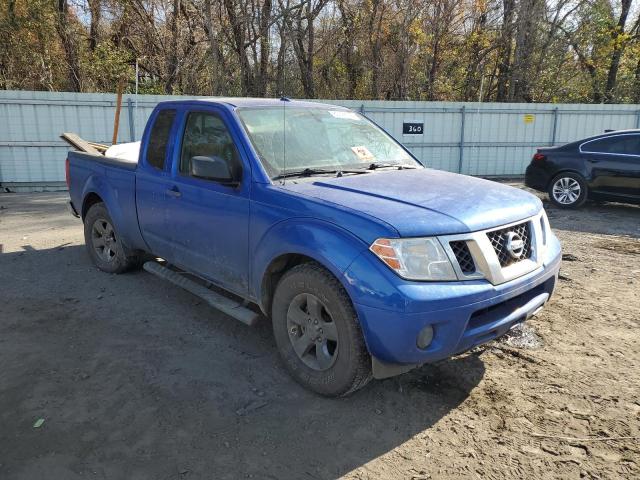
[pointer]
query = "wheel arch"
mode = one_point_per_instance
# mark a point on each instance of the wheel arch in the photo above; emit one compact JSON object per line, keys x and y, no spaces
{"x":89,"y":200}
{"x":119,"y":200}
{"x":295,"y":242}
{"x":274,"y":272}
{"x":566,"y":170}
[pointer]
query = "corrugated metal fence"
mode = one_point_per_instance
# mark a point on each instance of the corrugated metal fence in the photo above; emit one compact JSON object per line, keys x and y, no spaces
{"x":487,"y":139}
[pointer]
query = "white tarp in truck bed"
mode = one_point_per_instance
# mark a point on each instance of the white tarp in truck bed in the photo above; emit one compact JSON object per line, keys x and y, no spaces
{"x":125,"y":151}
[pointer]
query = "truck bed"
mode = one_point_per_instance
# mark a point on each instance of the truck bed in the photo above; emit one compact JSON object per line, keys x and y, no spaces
{"x":108,"y":161}
{"x":94,"y":177}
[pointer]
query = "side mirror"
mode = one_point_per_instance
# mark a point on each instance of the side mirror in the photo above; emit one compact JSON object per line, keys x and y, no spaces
{"x":212,"y":168}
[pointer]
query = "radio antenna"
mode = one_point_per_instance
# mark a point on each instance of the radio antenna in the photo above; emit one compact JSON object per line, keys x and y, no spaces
{"x":284,"y":101}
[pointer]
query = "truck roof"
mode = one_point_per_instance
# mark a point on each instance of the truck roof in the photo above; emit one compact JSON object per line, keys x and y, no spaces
{"x":235,"y":102}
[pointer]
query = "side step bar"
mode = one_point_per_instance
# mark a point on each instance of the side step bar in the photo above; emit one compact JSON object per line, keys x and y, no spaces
{"x":226,"y":305}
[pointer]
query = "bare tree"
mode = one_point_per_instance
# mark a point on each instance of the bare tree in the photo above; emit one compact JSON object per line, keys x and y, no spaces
{"x":214,"y":53}
{"x":439,"y":20}
{"x":530,"y":14}
{"x":299,"y":19}
{"x":172,"y":50}
{"x":95,"y":10}
{"x":524,"y":50}
{"x":250,"y":23}
{"x":376,"y":17}
{"x":69,"y":44}
{"x":619,"y":40}
{"x":348,"y":25}
{"x":505,"y":49}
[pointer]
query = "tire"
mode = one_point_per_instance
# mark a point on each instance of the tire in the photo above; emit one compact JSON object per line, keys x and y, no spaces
{"x":104,"y":245}
{"x":311,"y":309}
{"x":568,"y":190}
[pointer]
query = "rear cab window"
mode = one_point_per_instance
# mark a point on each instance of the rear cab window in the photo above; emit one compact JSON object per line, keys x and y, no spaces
{"x":159,"y":139}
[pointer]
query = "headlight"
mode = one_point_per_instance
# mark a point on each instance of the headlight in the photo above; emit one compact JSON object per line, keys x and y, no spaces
{"x":415,"y":258}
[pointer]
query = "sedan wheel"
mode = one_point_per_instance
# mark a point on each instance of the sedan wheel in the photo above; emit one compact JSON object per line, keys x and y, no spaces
{"x":566,"y":190}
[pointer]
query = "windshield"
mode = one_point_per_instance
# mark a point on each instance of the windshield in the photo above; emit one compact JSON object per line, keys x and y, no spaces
{"x":291,"y":139}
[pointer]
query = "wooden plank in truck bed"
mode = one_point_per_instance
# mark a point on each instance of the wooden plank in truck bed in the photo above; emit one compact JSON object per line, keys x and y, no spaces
{"x":79,"y":144}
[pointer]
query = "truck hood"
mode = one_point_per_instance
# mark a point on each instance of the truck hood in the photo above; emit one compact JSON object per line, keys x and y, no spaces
{"x":425,"y":201}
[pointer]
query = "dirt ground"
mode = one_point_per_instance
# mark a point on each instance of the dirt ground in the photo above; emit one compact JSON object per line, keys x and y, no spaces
{"x":136,"y":379}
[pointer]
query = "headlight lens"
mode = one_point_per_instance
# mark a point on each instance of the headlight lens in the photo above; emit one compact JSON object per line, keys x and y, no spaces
{"x":415,"y":258}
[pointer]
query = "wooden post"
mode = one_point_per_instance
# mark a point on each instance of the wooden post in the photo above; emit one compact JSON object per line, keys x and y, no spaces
{"x":116,"y":121}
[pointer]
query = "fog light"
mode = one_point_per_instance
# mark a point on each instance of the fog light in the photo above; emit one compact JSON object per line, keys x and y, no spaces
{"x":425,"y":337}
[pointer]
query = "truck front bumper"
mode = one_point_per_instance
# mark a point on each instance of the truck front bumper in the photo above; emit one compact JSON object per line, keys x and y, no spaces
{"x":461,"y":315}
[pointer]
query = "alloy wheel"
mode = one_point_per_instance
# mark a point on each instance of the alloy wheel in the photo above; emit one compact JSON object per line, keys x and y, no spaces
{"x":566,"y":190}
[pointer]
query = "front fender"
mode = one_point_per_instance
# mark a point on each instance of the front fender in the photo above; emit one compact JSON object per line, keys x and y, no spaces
{"x":327,"y":243}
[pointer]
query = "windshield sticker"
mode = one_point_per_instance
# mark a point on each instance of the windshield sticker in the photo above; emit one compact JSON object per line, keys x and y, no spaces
{"x":344,"y":115}
{"x":363,"y":153}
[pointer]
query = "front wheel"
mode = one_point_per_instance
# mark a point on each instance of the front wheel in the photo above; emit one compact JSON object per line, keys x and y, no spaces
{"x":104,"y":244}
{"x":568,"y":190}
{"x":317,"y":332}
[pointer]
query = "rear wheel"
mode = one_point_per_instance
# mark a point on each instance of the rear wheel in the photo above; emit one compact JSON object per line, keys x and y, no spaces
{"x":103,"y":243}
{"x":568,"y":190}
{"x":317,"y":332}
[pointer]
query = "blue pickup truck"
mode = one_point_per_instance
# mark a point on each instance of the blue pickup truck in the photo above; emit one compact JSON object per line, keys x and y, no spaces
{"x":367,"y":263}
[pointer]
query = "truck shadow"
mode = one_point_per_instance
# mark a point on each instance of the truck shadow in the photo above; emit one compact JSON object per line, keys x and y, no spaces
{"x":132,"y":374}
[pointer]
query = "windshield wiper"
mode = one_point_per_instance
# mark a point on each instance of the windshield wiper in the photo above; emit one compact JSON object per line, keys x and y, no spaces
{"x":307,"y":172}
{"x":399,"y":166}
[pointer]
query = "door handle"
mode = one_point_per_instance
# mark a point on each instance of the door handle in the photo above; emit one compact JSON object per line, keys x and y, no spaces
{"x":174,"y":192}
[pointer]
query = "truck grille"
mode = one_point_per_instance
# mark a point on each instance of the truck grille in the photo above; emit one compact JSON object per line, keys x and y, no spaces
{"x":499,"y":240}
{"x":463,"y":255}
{"x":497,"y":254}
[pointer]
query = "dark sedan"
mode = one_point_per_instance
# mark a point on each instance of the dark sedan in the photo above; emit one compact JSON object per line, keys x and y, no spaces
{"x":604,"y":167}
